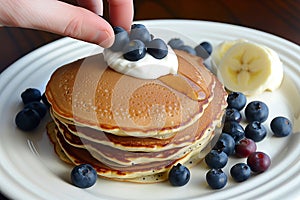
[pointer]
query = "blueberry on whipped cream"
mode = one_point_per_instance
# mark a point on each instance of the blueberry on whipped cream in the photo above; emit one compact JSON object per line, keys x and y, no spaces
{"x":140,"y":54}
{"x":139,"y":42}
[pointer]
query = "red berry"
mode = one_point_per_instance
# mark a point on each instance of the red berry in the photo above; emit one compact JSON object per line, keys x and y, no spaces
{"x":245,"y":147}
{"x":258,"y":162}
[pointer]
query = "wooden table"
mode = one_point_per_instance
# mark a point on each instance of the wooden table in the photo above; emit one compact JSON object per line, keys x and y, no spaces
{"x":279,"y":17}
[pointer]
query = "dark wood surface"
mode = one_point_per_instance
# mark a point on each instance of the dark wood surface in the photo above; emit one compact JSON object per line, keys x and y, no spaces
{"x":278,"y":17}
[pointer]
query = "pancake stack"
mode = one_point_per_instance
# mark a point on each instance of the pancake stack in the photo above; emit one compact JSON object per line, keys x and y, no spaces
{"x":132,"y":129}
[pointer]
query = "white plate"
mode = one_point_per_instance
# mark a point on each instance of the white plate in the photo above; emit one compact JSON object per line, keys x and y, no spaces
{"x":30,"y":170}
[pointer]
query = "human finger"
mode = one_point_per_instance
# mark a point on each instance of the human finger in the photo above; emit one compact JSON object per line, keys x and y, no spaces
{"x":121,"y":13}
{"x":60,"y":18}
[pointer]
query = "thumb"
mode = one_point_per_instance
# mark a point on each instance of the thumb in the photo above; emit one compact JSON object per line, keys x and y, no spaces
{"x":64,"y":19}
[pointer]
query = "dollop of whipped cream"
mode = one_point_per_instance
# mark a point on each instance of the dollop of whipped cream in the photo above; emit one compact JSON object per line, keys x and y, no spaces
{"x":145,"y":68}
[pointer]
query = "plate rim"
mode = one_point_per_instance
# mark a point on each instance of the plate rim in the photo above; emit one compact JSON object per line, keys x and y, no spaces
{"x":4,"y":76}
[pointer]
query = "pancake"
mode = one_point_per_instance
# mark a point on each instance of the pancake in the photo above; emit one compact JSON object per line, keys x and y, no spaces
{"x":132,"y":129}
{"x":146,"y":173}
{"x":85,"y":135}
{"x":124,"y":105}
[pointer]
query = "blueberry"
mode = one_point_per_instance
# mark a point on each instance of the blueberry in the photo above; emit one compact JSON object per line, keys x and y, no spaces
{"x":281,"y":126}
{"x":37,"y":106}
{"x":45,"y":100}
{"x":140,"y":32}
{"x":256,"y":111}
{"x":225,"y":143}
{"x":240,"y":172}
{"x":27,"y":119}
{"x":203,"y":50}
{"x":83,"y":176}
{"x":179,"y":175}
{"x":236,"y":100}
{"x":258,"y":162}
{"x":121,"y":39}
{"x":30,"y":95}
{"x":175,"y":43}
{"x":187,"y":49}
{"x":255,"y":131}
{"x":134,"y":50}
{"x":133,"y":26}
{"x":245,"y":147}
{"x":216,"y":159}
{"x":216,"y":178}
{"x":234,"y":129}
{"x":232,"y":114}
{"x":157,"y":48}
{"x":207,"y":46}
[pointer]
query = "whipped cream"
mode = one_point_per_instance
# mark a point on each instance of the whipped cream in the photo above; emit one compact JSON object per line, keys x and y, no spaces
{"x":145,"y":68}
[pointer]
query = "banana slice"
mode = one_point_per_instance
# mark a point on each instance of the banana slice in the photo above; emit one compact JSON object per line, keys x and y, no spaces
{"x":250,"y":68}
{"x":222,"y":48}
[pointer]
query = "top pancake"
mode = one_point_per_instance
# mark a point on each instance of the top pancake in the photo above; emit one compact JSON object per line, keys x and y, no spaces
{"x":91,"y":94}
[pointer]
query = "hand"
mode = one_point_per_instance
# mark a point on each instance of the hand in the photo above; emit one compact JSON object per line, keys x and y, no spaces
{"x":65,"y":19}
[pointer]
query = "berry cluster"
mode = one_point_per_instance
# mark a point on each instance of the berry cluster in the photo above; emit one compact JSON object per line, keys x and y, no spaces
{"x":137,"y":43}
{"x":241,"y":142}
{"x":33,"y":111}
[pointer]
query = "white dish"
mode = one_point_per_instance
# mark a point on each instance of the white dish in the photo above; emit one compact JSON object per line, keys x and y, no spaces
{"x":30,"y":170}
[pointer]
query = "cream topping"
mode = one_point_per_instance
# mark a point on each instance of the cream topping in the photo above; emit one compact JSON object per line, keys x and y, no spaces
{"x":145,"y":68}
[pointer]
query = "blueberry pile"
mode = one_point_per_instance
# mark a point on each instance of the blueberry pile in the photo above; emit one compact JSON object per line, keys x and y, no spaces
{"x":35,"y":108}
{"x":136,"y":44}
{"x":235,"y":140}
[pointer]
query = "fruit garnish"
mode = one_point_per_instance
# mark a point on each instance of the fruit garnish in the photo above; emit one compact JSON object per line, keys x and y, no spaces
{"x":204,"y":49}
{"x":175,"y":43}
{"x":134,"y":50}
{"x":27,"y":119}
{"x":30,"y":95}
{"x":225,"y":143}
{"x":38,"y":106}
{"x":33,"y":111}
{"x":248,"y":67}
{"x":258,"y":162}
{"x":216,"y":159}
{"x":121,"y":39}
{"x":232,"y":114}
{"x":236,"y":100}
{"x":140,"y":32}
{"x":216,"y":178}
{"x":157,"y":48}
{"x":245,"y":147}
{"x":235,"y":129}
{"x":255,"y":131}
{"x":179,"y":175}
{"x":240,"y":172}
{"x":83,"y":176}
{"x":187,"y":49}
{"x":281,"y":126}
{"x":256,"y":111}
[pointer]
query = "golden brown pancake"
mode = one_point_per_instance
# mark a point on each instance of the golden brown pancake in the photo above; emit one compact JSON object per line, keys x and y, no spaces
{"x":133,"y":129}
{"x":89,"y":93}
{"x":133,"y":173}
{"x":86,"y":135}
